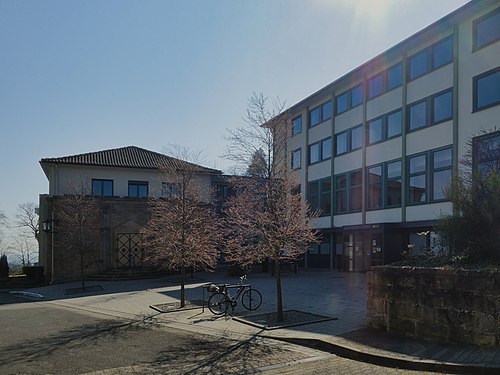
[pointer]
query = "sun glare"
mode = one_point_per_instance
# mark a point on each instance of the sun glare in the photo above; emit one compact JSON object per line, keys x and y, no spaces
{"x":372,"y":11}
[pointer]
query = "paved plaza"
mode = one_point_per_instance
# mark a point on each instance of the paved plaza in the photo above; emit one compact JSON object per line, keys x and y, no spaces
{"x":223,"y":344}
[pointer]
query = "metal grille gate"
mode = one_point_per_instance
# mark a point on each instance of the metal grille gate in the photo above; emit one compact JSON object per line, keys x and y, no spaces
{"x":129,"y":252}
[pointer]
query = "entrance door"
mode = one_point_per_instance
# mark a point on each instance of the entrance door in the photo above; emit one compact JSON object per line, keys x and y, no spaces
{"x":129,"y":253}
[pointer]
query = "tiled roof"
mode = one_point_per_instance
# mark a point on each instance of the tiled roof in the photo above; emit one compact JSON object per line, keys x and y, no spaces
{"x":126,"y":157}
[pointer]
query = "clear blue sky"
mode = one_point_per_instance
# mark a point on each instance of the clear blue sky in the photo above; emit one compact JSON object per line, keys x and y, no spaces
{"x":80,"y":76}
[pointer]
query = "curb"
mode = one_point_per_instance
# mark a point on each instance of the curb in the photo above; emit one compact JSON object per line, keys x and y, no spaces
{"x":408,"y":363}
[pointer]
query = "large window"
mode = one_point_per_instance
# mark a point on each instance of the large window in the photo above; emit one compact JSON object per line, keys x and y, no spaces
{"x":487,"y":29}
{"x":320,"y":113}
{"x":349,"y":192}
{"x":431,"y":110}
{"x":102,"y":188}
{"x":341,"y":194}
{"x":487,"y":89}
{"x":297,"y":159}
{"x":486,"y":152}
{"x":349,"y":99}
{"x":320,"y":151}
{"x":429,"y":175}
{"x":319,"y":196}
{"x":356,"y":189}
{"x":384,"y":127}
{"x":349,"y":140}
{"x":169,"y":190}
{"x":384,"y":185}
{"x":138,"y":189}
{"x":297,"y":125}
{"x":431,"y":58}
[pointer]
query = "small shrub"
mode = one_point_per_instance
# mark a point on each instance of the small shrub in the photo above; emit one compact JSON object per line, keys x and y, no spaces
{"x":4,"y":267}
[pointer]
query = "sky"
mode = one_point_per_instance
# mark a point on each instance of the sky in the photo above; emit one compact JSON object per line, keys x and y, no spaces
{"x":88,"y":75}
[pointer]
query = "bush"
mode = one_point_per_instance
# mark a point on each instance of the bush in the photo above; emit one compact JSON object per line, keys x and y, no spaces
{"x":4,"y":267}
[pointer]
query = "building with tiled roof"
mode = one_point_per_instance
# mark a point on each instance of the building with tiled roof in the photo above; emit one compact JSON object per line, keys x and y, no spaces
{"x":121,"y":180}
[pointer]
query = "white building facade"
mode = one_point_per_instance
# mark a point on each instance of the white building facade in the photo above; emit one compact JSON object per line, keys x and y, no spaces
{"x":376,"y":149}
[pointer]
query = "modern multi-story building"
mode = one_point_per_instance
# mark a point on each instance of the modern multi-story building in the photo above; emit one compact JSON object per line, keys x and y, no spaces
{"x":120,"y":180}
{"x":376,"y":148}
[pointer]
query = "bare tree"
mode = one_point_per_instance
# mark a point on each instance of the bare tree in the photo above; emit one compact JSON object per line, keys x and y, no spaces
{"x":182,"y":231}
{"x":258,"y":164}
{"x":27,"y":217}
{"x":78,"y":216}
{"x":266,"y":218}
{"x":23,"y":248}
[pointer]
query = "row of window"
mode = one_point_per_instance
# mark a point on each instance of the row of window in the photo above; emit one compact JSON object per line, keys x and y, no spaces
{"x":429,"y":174}
{"x":486,"y":30}
{"x":136,"y":189}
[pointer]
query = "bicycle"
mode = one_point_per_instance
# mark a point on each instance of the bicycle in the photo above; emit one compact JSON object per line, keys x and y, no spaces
{"x":221,"y":299}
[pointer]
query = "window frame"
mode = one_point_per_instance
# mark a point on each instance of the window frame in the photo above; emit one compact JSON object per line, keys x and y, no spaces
{"x":430,"y":111}
{"x":322,"y":116}
{"x":475,"y":96}
{"x":297,"y":129}
{"x":102,"y":181}
{"x":476,"y":143}
{"x":475,"y":45}
{"x":370,"y":184}
{"x":434,"y":170}
{"x":138,"y":184}
{"x":424,"y":173}
{"x":294,"y":153}
{"x":429,"y":59}
{"x":322,"y":198}
{"x":385,"y":127}
{"x":348,"y":94}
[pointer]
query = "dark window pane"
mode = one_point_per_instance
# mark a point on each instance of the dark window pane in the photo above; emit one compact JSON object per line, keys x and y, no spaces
{"x":341,"y":143}
{"x":375,"y":174}
{"x":315,"y":116}
{"x":418,"y":64}
{"x":313,"y":195}
{"x":443,"y":107}
{"x":97,"y":187}
{"x":326,"y":110}
{"x":418,"y":115}
{"x":340,"y":182}
{"x":417,"y":164}
{"x":487,"y":90}
{"x":487,"y":30}
{"x":417,"y":189}
{"x":442,"y":159}
{"x":393,"y":193}
{"x":486,"y":153}
{"x":356,"y":178}
{"x":394,"y":169}
{"x":342,"y":102}
{"x":107,"y":188}
{"x":394,"y":76}
{"x":341,"y":202}
{"x":356,"y":137}
{"x":326,"y":149}
{"x":442,"y":53}
{"x":356,"y":96}
{"x":297,"y":125}
{"x":441,"y":181}
{"x":376,"y":85}
{"x":326,"y":201}
{"x":296,"y":159}
{"x":375,"y":187}
{"x":356,"y":199}
{"x":314,"y":153}
{"x":394,"y":121}
{"x":375,"y":131}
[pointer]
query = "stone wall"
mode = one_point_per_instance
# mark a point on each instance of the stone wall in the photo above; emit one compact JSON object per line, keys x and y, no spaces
{"x":435,"y":304}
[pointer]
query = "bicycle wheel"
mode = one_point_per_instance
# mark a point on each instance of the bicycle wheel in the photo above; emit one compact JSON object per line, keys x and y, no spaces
{"x":251,"y":299}
{"x":218,"y":303}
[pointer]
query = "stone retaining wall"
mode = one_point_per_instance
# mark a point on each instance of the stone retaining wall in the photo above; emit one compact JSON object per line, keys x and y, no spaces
{"x":436,"y":304}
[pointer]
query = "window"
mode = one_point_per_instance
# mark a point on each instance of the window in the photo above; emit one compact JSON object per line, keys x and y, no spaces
{"x":297,"y":125}
{"x":349,"y":99}
{"x":486,"y":152}
{"x":487,"y":29}
{"x":394,"y":122}
{"x":393,"y":184}
{"x":320,"y":196}
{"x":431,"y":110}
{"x":297,"y":159}
{"x":394,"y":76}
{"x":376,"y":86}
{"x":375,"y":131}
{"x":169,"y":189}
{"x":441,"y":173}
{"x":342,"y":102}
{"x":320,"y":113}
{"x":374,"y":192}
{"x":431,"y":58}
{"x":487,"y":89}
{"x":356,"y":188}
{"x":102,"y":188}
{"x":356,"y":137}
{"x":357,"y":96}
{"x":417,"y":179}
{"x":138,"y":189}
{"x":341,"y":194}
{"x":320,"y":151}
{"x":314,"y":153}
{"x":341,"y":143}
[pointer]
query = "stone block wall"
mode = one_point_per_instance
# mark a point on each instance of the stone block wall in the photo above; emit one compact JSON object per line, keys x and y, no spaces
{"x":435,"y":304}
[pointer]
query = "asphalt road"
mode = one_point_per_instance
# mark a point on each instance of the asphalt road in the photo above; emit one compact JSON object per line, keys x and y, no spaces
{"x":44,"y":338}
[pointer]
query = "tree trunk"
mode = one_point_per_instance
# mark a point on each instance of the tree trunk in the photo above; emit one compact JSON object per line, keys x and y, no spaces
{"x":279,"y":302}
{"x":183,"y":276}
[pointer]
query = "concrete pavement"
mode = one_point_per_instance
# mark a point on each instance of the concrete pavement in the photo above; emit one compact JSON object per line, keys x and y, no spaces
{"x":326,"y":293}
